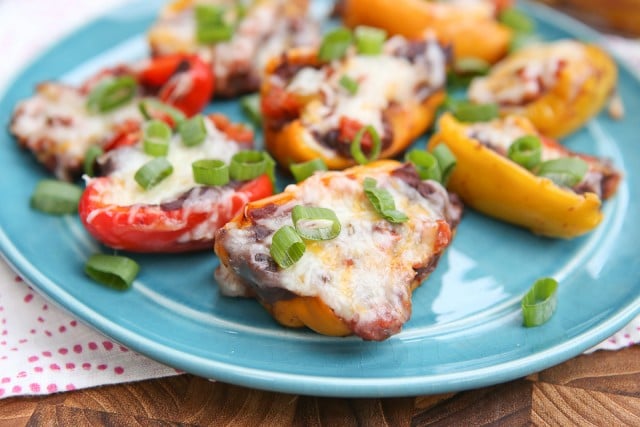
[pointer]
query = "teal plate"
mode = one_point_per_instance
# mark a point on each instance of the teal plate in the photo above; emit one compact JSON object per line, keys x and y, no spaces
{"x":465,"y":331}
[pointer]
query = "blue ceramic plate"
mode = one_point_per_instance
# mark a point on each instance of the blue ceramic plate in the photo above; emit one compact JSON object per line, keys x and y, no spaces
{"x":465,"y":331}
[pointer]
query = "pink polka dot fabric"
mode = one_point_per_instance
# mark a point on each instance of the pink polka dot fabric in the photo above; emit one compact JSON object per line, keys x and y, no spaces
{"x":42,"y":349}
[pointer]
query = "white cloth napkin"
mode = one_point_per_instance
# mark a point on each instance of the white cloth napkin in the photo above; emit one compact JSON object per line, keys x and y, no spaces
{"x":43,"y":349}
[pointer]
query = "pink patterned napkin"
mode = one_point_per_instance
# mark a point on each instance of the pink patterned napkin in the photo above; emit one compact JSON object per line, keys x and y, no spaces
{"x":44,"y":350}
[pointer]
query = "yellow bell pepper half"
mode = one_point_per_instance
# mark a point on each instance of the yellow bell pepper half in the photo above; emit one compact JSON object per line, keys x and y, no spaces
{"x":494,"y":185}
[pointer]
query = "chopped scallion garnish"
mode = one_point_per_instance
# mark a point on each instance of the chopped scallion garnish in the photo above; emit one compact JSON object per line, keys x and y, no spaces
{"x":526,"y":151}
{"x":539,"y":304}
{"x":315,"y":223}
{"x":248,"y":164}
{"x":251,"y":107}
{"x":193,"y":131}
{"x":516,"y":20}
{"x":446,"y":161}
{"x":426,"y":164}
{"x":356,"y":145}
{"x":147,"y":107}
{"x":115,"y":271}
{"x":210,"y":172}
{"x":211,"y":24}
{"x":302,"y":171}
{"x":90,"y":158}
{"x":369,"y":40}
{"x":56,"y":197}
{"x":286,"y":246}
{"x":157,"y":135}
{"x":152,"y":172}
{"x":382,"y":201}
{"x":111,"y":93}
{"x":565,"y":171}
{"x":349,"y":84}
{"x":466,"y":111}
{"x":335,"y":44}
{"x":471,"y":65}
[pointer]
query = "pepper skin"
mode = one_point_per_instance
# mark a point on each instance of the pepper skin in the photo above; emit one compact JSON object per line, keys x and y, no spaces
{"x":585,"y":77}
{"x":473,"y":31}
{"x":494,"y":185}
{"x":296,"y":311}
{"x":289,"y":142}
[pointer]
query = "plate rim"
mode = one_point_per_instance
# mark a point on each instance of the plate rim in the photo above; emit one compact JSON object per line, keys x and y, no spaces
{"x":319,"y":385}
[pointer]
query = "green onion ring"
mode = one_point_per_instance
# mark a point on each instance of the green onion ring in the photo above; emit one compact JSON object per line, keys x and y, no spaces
{"x":286,"y":246}
{"x":250,"y":105}
{"x":153,"y":172}
{"x":446,"y":161}
{"x":56,"y":197}
{"x":516,"y":20}
{"x":382,"y":201}
{"x":115,"y":271}
{"x":304,"y":170}
{"x":426,"y":164}
{"x":466,"y":111}
{"x":210,"y":172}
{"x":348,"y":84}
{"x":540,"y":302}
{"x":526,"y":151}
{"x":356,"y":147}
{"x":369,"y":40}
{"x":156,"y":138}
{"x":111,"y":93}
{"x":249,"y":164}
{"x":315,"y":223}
{"x":193,"y":131}
{"x":565,"y":172}
{"x":146,"y":107}
{"x":90,"y":158}
{"x":335,"y":44}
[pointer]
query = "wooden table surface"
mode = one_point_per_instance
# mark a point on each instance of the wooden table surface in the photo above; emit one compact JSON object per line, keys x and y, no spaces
{"x":602,"y":388}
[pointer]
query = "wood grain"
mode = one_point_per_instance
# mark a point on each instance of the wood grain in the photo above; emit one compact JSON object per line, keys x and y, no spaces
{"x":602,"y":388}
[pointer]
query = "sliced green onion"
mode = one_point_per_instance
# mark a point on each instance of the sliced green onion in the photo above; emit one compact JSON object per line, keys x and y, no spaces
{"x":356,"y":145}
{"x":250,"y":105}
{"x":471,"y":65}
{"x":539,"y":304}
{"x":335,"y":44}
{"x":446,"y":161}
{"x":302,"y":171}
{"x":369,"y":40}
{"x":270,"y":168}
{"x":565,"y":172}
{"x":526,"y":151}
{"x":466,"y":111}
{"x":315,"y":223}
{"x":210,"y":172}
{"x":56,"y":197}
{"x":152,"y":172}
{"x":155,"y":141}
{"x":516,"y":20}
{"x":111,"y":93}
{"x":426,"y":164}
{"x":349,"y":84}
{"x":382,"y":201}
{"x":286,"y":246}
{"x":115,"y":271}
{"x":90,"y":158}
{"x":193,"y":131}
{"x":211,"y":26}
{"x":147,"y":106}
{"x":247,"y":165}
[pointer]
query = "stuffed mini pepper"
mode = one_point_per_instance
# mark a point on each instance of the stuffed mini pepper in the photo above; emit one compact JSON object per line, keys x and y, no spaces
{"x":470,"y":27}
{"x":559,"y":86}
{"x":236,"y":38}
{"x":170,"y":192}
{"x":349,"y":104}
{"x":507,"y":170}
{"x":60,"y":123}
{"x":342,"y":251}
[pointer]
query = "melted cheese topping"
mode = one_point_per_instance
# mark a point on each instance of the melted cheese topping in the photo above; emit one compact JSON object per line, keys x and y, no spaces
{"x":530,"y":73}
{"x":382,"y":79}
{"x":125,"y":191}
{"x":364,"y":275}
{"x":56,"y":121}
